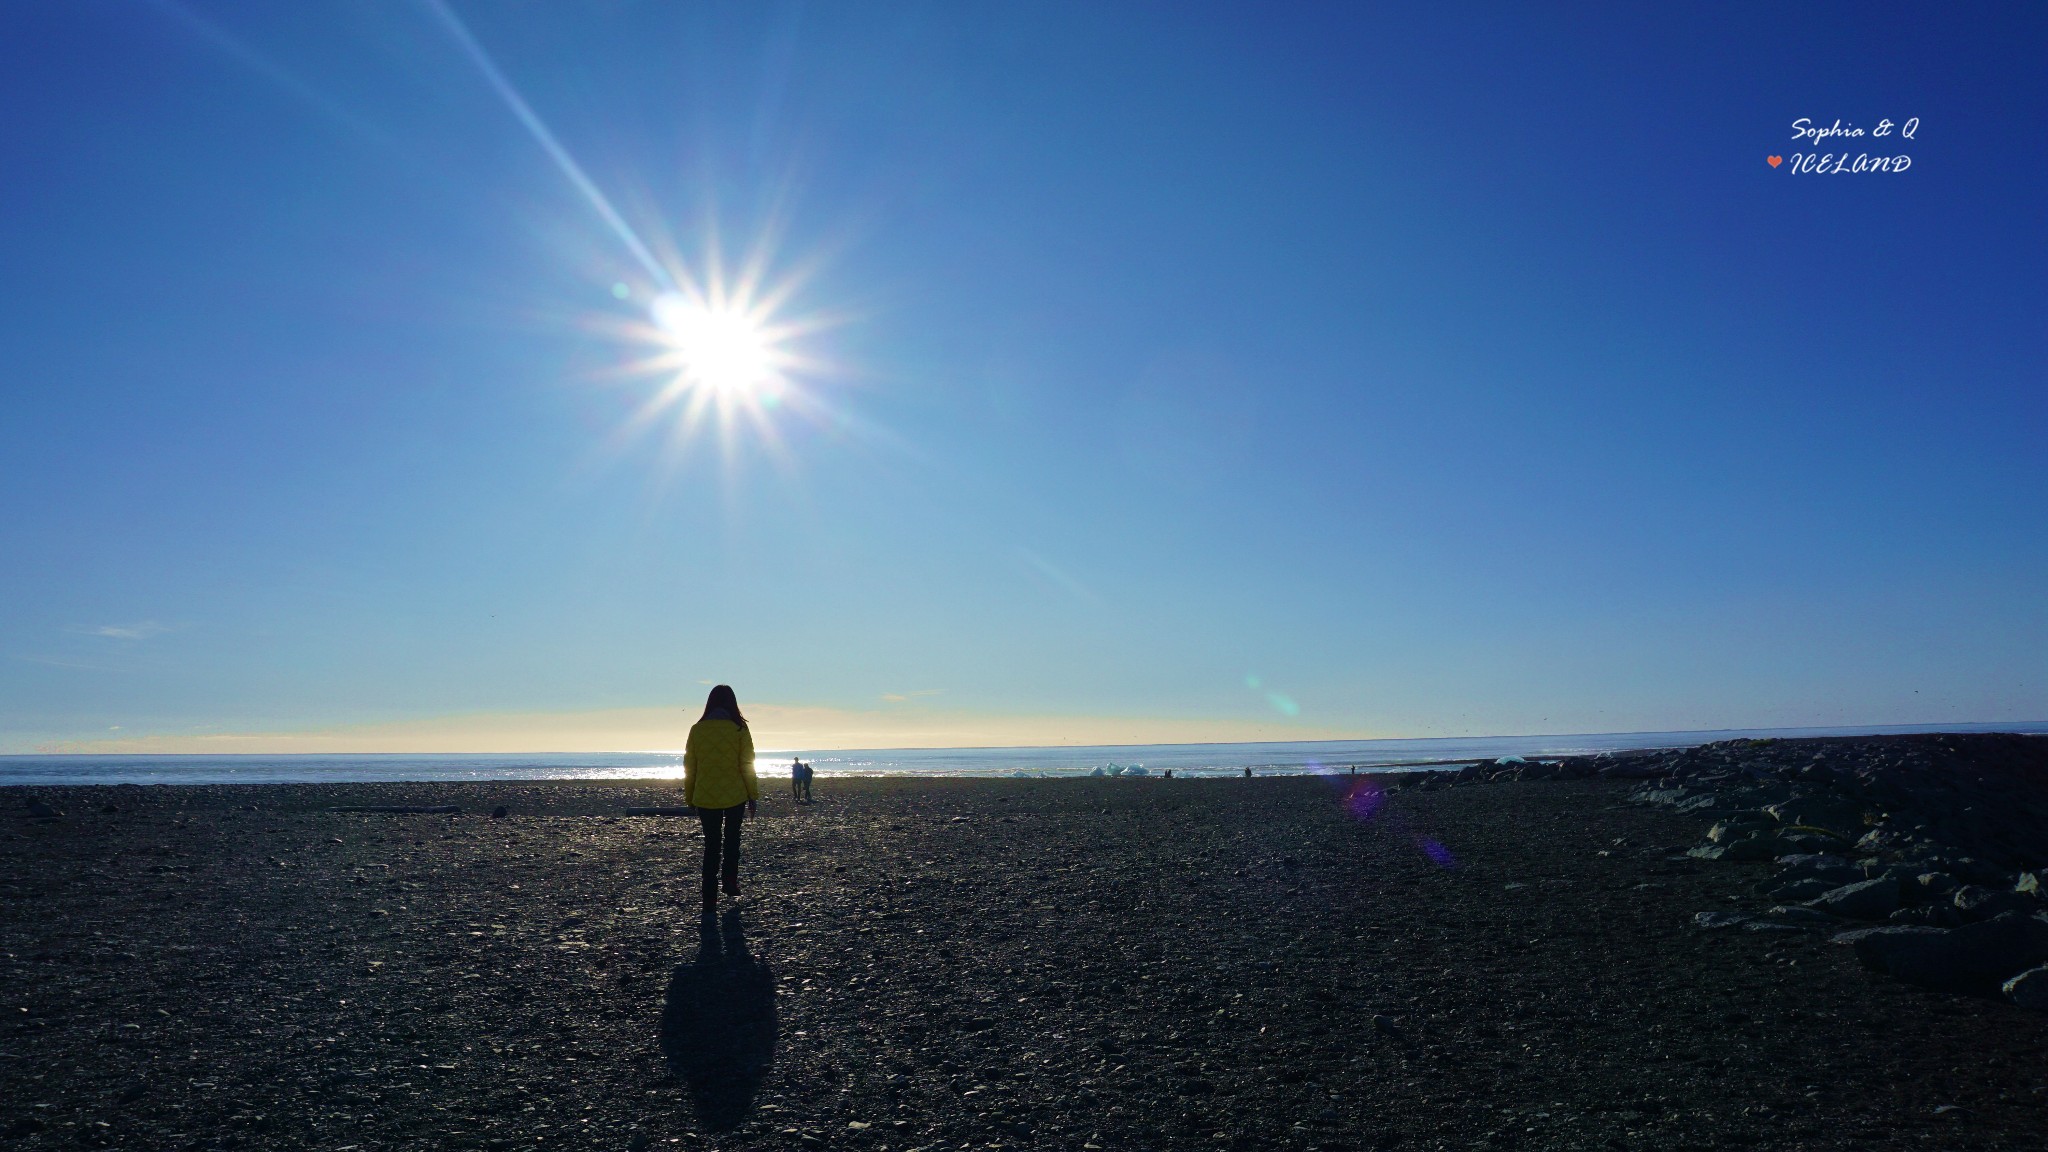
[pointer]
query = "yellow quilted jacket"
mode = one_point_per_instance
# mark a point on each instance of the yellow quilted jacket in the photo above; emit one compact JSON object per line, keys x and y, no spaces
{"x":718,"y":765}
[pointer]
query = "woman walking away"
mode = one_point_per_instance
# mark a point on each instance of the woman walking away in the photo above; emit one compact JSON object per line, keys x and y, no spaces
{"x":718,"y":781}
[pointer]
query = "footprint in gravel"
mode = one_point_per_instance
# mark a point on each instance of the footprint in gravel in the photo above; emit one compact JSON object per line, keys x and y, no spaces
{"x":718,"y":1026}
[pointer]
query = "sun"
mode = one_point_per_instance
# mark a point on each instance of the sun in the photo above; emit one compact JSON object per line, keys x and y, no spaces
{"x":723,"y":358}
{"x":726,"y":350}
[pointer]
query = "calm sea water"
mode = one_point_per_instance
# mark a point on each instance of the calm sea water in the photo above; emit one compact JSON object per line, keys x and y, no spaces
{"x":1291,"y":758}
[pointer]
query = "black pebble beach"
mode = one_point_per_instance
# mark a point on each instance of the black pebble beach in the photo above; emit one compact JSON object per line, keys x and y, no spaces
{"x":950,"y":964}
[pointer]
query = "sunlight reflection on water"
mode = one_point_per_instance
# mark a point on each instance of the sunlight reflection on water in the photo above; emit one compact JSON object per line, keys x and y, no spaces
{"x":1321,"y":757}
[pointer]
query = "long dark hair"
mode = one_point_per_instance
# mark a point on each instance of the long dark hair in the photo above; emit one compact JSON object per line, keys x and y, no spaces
{"x":723,"y":705}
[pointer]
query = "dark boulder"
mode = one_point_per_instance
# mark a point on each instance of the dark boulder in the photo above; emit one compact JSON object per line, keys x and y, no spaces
{"x":1799,"y":890}
{"x":1825,"y":865}
{"x":1975,"y":959}
{"x":1937,"y":886}
{"x":1864,"y":900}
{"x":2029,"y":989}
{"x":1977,"y":902}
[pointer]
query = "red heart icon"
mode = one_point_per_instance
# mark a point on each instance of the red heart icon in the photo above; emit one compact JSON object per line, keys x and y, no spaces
{"x":1774,"y":161}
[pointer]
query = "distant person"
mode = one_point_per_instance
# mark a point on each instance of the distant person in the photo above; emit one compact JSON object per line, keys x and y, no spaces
{"x":796,"y":779}
{"x":1247,"y":771}
{"x":809,"y":772}
{"x":719,"y":782}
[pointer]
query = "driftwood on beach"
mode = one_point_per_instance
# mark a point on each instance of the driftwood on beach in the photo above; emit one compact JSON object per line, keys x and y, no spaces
{"x":401,"y":809}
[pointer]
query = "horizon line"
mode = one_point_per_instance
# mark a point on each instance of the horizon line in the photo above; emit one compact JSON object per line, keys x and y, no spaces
{"x":1970,"y":727}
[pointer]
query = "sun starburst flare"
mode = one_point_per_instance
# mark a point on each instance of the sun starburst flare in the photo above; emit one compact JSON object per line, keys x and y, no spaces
{"x":721,"y":348}
{"x":719,"y":357}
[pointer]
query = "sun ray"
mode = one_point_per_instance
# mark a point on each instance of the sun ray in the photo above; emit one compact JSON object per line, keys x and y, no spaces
{"x":723,"y":347}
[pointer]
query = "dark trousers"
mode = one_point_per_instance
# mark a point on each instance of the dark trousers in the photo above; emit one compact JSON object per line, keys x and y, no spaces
{"x":721,"y":847}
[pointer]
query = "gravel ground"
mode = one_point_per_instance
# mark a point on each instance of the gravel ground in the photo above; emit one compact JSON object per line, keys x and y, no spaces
{"x":947,"y":964}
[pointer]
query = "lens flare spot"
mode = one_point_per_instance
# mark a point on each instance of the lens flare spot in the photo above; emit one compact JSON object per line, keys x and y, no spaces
{"x":1435,"y":850}
{"x":1364,"y":799}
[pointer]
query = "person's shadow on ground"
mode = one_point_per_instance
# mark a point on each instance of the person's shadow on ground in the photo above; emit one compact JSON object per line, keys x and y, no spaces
{"x":718,"y":1024}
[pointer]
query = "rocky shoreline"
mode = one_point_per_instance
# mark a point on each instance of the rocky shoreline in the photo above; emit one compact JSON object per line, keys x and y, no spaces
{"x":1302,"y":963}
{"x":1937,"y":842}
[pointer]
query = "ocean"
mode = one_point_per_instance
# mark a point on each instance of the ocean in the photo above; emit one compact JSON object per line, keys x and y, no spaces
{"x":1266,"y":759}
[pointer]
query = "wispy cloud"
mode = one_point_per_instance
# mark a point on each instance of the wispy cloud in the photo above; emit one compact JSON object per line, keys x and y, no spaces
{"x":1057,"y":578}
{"x":142,"y":631}
{"x":64,"y":662}
{"x":904,"y":697}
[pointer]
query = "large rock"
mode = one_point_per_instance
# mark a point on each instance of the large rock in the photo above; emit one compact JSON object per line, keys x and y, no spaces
{"x":1864,"y":900}
{"x":1934,"y":885}
{"x":1681,"y":797}
{"x":1812,"y":859}
{"x":1800,"y":890}
{"x":2029,"y":989}
{"x":1751,"y":850}
{"x":1736,"y":827}
{"x":1977,"y":902}
{"x":1975,"y":959}
{"x":1836,"y":815}
{"x":1803,"y":840}
{"x":1858,"y":935}
{"x":1802,"y":917}
{"x":1820,"y":865}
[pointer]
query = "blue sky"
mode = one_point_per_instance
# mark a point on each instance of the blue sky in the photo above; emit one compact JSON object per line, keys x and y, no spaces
{"x":1436,"y":369}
